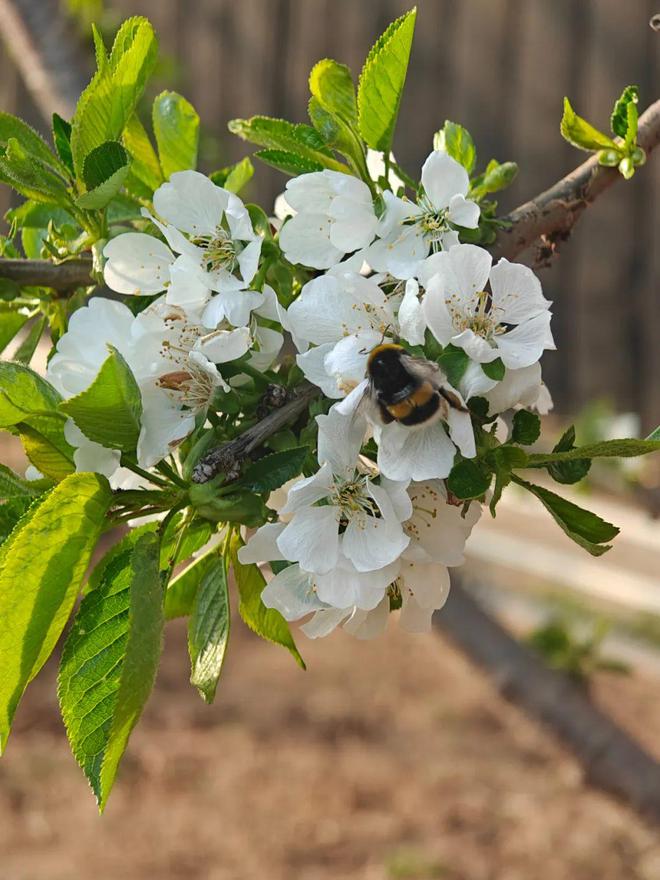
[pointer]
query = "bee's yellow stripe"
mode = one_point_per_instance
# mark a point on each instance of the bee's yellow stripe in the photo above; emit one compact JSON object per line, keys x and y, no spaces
{"x":383,"y":347}
{"x":418,"y":398}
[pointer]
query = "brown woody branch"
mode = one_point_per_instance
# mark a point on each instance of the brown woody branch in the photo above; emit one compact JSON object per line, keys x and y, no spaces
{"x":225,"y":458}
{"x":552,"y":214}
{"x":609,"y":756}
{"x":549,"y":216}
{"x":42,"y":273}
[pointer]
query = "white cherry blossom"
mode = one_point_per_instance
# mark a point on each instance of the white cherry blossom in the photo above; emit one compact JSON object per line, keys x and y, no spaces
{"x":333,"y":216}
{"x":510,"y":321}
{"x":174,"y":361}
{"x":408,"y":231}
{"x":345,"y":315}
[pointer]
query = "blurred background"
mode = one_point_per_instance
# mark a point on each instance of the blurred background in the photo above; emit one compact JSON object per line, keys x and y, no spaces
{"x":397,"y":760}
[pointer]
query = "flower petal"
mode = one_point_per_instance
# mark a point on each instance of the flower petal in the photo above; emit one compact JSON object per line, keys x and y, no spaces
{"x":305,"y":239}
{"x":222,"y":346}
{"x":415,"y":453}
{"x":307,"y":491}
{"x":191,"y":202}
{"x":464,"y":212}
{"x":324,"y":622}
{"x":369,"y":624}
{"x":340,"y":438}
{"x":523,"y":346}
{"x":411,"y":316}
{"x":291,"y":592}
{"x":312,"y":539}
{"x":476,"y":347}
{"x":517,"y":293}
{"x":262,"y":545}
{"x":137,"y":264}
{"x":312,"y":363}
{"x":371,"y":542}
{"x":442,"y":178}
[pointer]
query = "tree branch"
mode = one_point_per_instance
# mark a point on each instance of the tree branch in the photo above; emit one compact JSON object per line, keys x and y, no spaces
{"x":549,"y":216}
{"x":225,"y":458}
{"x":553,"y":213}
{"x":42,"y":273}
{"x":610,"y":757}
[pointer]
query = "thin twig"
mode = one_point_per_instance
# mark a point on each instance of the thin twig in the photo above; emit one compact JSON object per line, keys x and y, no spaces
{"x":609,"y":756}
{"x":225,"y":458}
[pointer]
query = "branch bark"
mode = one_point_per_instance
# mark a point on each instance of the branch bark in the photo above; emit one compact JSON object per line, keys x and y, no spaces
{"x":225,"y":458}
{"x":609,"y":756}
{"x":550,"y":216}
{"x":42,"y":273}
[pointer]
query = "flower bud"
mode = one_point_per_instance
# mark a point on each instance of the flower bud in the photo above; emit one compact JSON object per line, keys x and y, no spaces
{"x":638,"y":156}
{"x":609,"y":158}
{"x":626,"y":167}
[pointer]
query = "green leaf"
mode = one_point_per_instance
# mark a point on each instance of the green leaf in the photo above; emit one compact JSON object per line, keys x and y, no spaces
{"x":109,"y":412}
{"x":197,"y":533}
{"x":580,"y":133}
{"x":32,"y":177}
{"x":104,"y":171}
{"x":381,"y":83}
{"x":208,"y":630}
{"x":11,"y":511}
{"x":453,"y":362}
{"x":272,"y":471}
{"x":126,"y":541}
{"x":25,"y":351}
{"x":568,"y":472}
{"x":290,"y":163}
{"x":109,"y":101}
{"x":582,"y":526}
{"x":234,"y":177}
{"x":42,"y":566}
{"x":457,"y":142}
{"x":468,"y":479}
{"x":12,"y":486}
{"x":526,"y":428}
{"x":145,"y":165}
{"x":265,"y":622}
{"x":619,"y":119}
{"x":62,"y":141}
{"x":109,"y":662}
{"x":176,"y":126}
{"x":626,"y":448}
{"x":288,"y":137}
{"x":30,"y":141}
{"x":181,"y":590}
{"x":44,"y":443}
{"x":11,"y":322}
{"x":496,"y":177}
{"x":494,"y":370}
{"x":23,"y":393}
{"x":332,"y":85}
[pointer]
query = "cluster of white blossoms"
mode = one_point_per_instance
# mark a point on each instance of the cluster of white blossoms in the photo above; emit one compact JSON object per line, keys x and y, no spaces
{"x":374,"y":528}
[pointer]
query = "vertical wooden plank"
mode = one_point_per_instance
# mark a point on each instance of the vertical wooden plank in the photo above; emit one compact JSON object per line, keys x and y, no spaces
{"x":609,"y":259}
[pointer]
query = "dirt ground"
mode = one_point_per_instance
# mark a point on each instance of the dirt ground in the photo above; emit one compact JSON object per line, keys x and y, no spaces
{"x":390,"y":760}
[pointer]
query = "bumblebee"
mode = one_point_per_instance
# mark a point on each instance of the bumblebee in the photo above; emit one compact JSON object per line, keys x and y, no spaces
{"x":410,"y":390}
